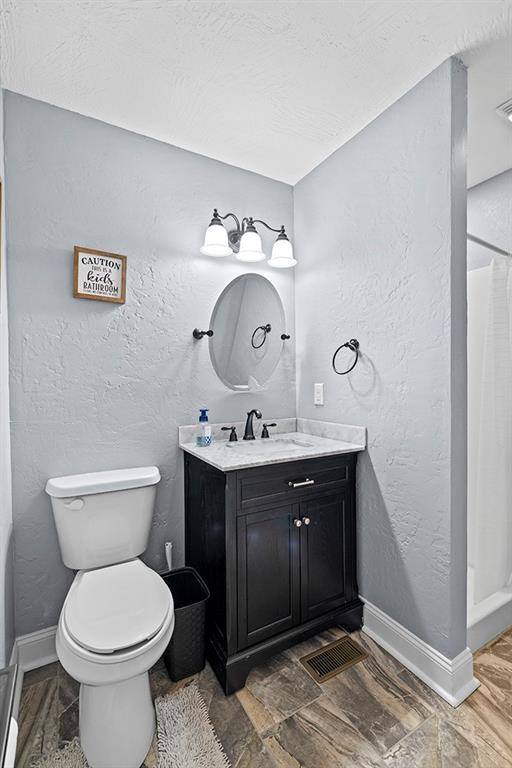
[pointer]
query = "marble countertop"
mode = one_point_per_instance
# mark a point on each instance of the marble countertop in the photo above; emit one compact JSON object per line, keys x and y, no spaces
{"x":305,"y":439}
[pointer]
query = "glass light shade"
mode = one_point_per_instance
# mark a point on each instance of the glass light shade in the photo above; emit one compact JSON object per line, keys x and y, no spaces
{"x":250,"y":247}
{"x":282,"y":254}
{"x":216,"y":241}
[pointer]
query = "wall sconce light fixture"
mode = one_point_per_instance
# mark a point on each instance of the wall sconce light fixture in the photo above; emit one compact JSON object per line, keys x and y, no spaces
{"x":245,"y":241}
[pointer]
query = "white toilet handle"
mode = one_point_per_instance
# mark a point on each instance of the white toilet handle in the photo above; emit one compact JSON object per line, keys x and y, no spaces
{"x":75,"y":504}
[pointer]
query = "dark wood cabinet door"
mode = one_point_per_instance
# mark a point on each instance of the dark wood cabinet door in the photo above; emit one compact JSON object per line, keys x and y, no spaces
{"x":268,"y":555}
{"x":326,"y":566}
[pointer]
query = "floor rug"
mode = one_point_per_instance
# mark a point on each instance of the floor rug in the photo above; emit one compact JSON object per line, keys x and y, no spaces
{"x":185,"y":736}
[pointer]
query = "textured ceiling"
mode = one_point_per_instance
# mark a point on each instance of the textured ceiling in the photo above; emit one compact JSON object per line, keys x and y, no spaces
{"x":274,"y":87}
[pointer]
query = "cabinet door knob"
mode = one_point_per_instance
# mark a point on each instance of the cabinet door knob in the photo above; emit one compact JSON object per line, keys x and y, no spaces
{"x":297,"y":523}
{"x":306,"y":520}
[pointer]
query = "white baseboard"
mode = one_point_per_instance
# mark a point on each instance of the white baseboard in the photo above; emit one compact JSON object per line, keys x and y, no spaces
{"x":450,"y":678}
{"x":30,"y":652}
{"x":489,"y":619}
{"x":34,"y":650}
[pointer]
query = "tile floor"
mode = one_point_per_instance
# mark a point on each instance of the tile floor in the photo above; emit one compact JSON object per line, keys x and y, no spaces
{"x":375,"y":715}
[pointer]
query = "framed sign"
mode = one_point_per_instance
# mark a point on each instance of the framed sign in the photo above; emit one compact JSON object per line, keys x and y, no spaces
{"x":99,"y":275}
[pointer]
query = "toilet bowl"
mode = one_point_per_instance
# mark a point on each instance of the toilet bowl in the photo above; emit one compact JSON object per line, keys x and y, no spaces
{"x":118,"y":616}
{"x":125,"y":605}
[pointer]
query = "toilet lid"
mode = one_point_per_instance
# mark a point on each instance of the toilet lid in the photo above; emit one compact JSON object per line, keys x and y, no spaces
{"x":111,"y":609}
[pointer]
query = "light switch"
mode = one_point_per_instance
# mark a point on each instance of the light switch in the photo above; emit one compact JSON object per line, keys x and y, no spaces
{"x":318,"y":397}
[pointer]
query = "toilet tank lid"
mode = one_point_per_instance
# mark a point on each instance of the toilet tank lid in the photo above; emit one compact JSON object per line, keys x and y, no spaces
{"x":102,"y":482}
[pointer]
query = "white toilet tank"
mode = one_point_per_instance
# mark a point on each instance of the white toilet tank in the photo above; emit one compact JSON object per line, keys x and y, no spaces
{"x":103,"y":518}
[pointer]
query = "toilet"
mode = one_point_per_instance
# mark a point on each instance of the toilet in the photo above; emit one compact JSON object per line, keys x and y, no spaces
{"x":118,"y":615}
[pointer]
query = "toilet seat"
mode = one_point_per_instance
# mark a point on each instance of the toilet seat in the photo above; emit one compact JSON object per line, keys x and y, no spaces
{"x":117,"y":608}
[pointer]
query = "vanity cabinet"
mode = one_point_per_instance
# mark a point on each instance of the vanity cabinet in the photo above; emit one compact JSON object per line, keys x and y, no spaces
{"x":276,"y":546}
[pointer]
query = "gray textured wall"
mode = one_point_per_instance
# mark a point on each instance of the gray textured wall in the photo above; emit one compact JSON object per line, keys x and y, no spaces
{"x":490,"y":218}
{"x":380,"y":238}
{"x":95,"y":385}
{"x":6,"y":585}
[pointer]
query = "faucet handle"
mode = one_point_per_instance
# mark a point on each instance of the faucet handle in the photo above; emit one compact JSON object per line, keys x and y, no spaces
{"x":233,"y":436}
{"x":264,"y":431}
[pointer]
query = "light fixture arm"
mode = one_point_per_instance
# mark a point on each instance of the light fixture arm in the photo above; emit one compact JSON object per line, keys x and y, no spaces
{"x":246,"y":221}
{"x":272,"y":229}
{"x":217,"y":215}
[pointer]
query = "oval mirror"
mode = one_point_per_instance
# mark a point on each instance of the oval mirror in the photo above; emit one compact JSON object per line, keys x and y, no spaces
{"x":247,"y":323}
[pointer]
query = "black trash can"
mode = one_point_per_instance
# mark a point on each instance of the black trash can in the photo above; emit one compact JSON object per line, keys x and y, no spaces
{"x":185,"y":654}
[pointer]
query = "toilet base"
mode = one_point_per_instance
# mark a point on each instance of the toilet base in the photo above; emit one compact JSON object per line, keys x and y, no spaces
{"x":117,"y":722}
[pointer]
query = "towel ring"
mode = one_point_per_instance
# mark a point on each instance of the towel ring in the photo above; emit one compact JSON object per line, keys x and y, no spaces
{"x":353,"y":344}
{"x":266,"y":329}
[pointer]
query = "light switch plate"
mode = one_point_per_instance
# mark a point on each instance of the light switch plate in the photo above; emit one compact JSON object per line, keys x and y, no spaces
{"x":318,"y":396}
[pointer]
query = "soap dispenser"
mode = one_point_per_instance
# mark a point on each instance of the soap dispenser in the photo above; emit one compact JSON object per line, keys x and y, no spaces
{"x":204,"y":437}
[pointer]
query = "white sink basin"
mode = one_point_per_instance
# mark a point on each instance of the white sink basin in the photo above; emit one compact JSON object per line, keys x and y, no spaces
{"x":270,"y":445}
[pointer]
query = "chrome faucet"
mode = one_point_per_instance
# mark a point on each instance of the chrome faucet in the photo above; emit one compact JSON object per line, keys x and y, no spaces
{"x":249,"y":431}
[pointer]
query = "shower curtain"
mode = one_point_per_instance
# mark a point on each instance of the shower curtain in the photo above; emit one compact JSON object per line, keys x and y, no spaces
{"x":490,"y":482}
